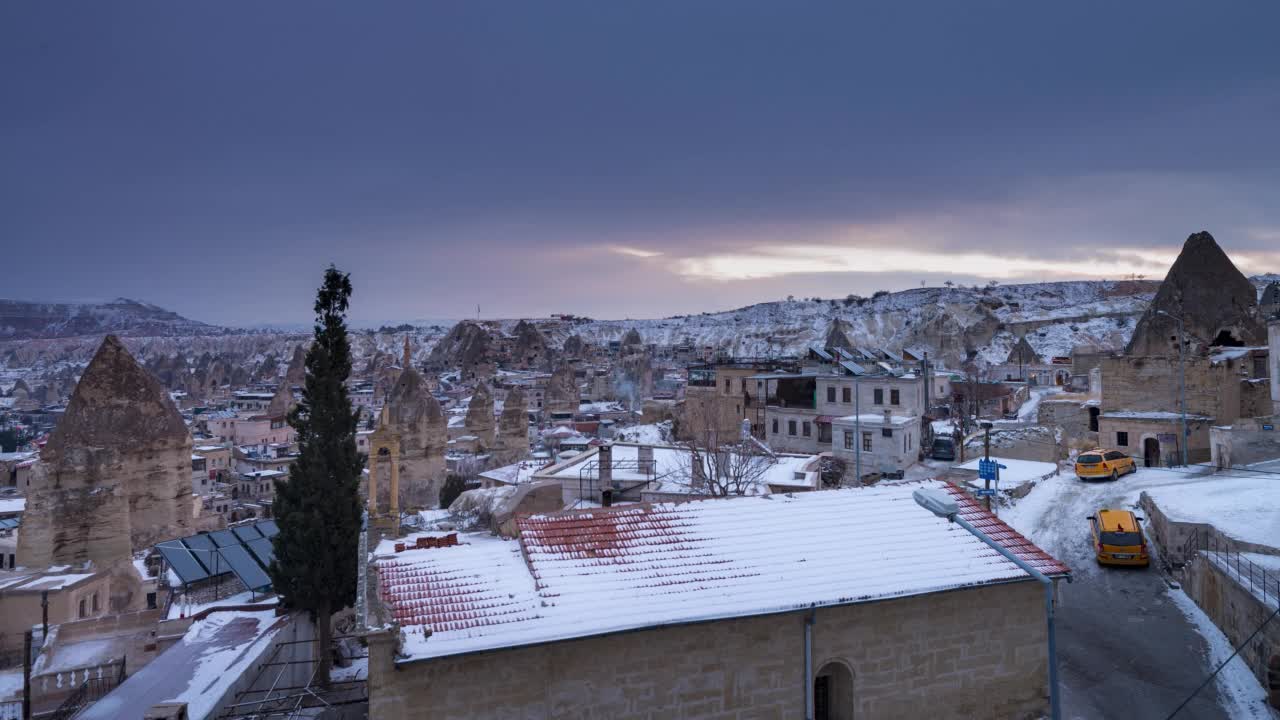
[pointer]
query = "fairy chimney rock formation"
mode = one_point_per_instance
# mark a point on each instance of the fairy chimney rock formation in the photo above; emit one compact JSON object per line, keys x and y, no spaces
{"x":296,"y":374}
{"x":281,"y":402}
{"x":479,"y":420}
{"x":562,"y":393}
{"x":512,"y":443}
{"x":115,"y":475}
{"x":1215,"y":301}
{"x":415,"y":415}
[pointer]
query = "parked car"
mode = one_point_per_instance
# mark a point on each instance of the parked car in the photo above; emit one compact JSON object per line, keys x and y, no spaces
{"x":944,"y":448}
{"x":1118,"y":538}
{"x":1101,"y":463}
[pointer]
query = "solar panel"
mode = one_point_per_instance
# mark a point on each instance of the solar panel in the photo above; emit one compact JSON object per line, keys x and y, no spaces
{"x":263,"y":550}
{"x":224,"y":538}
{"x":245,"y":567}
{"x":180,"y":559}
{"x":204,"y":551}
{"x":246,"y":533}
{"x":268,"y":528}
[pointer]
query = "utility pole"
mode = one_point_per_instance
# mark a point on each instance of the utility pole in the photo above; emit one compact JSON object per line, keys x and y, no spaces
{"x":986,"y":454}
{"x":857,"y":431}
{"x":26,"y":675}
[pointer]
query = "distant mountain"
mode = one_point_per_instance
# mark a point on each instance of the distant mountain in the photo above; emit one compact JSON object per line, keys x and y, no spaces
{"x":23,"y":320}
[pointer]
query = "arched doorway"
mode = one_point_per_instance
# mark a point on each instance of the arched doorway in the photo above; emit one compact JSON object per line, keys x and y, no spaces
{"x":833,"y":692}
{"x":1151,"y":452}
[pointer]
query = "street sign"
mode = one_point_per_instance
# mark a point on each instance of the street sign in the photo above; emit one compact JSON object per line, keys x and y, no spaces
{"x":985,"y":492}
{"x":990,"y":469}
{"x":1268,"y":427}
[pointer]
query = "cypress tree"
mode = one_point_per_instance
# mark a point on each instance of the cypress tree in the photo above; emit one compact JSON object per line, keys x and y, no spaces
{"x":318,"y":508}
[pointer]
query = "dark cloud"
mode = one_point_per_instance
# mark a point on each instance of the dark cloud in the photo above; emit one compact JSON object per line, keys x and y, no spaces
{"x":213,"y":157}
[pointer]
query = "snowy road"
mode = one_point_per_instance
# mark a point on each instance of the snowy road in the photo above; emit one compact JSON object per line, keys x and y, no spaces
{"x":1127,"y":645}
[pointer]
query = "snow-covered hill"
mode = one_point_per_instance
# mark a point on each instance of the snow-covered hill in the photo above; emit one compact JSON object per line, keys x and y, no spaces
{"x":22,"y":320}
{"x":952,"y":323}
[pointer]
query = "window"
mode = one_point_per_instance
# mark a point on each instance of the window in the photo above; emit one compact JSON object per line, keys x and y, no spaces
{"x":846,"y":395}
{"x":831,"y":393}
{"x":894,"y":397}
{"x":791,"y":428}
{"x":848,"y":439}
{"x":824,"y":433}
{"x":151,"y":601}
{"x":886,"y":432}
{"x":726,"y":385}
{"x":81,"y":607}
{"x":95,"y":602}
{"x":807,"y":429}
{"x":879,"y":396}
{"x":775,"y":426}
{"x":866,"y":442}
{"x":1122,"y":439}
{"x":1114,"y":455}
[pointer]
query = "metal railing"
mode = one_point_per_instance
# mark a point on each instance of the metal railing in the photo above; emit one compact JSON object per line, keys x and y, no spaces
{"x":1257,"y":577}
{"x":89,"y":692}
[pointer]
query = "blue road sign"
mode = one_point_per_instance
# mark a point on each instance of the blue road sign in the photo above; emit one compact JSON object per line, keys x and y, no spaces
{"x":985,"y":492}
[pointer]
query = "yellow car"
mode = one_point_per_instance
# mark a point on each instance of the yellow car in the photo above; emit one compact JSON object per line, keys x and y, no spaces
{"x":1118,"y":538}
{"x":1099,"y":464}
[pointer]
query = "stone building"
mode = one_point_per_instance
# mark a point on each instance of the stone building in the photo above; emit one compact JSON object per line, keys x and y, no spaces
{"x":684,"y":610}
{"x":115,"y":475}
{"x":1198,"y":350}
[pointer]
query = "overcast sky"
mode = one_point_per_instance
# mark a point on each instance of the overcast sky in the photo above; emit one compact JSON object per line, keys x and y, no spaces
{"x":621,"y":159}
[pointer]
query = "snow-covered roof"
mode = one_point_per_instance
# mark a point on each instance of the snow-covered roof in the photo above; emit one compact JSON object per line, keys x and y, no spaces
{"x":12,"y":505}
{"x":672,"y":469}
{"x":876,"y":419}
{"x":200,"y":669}
{"x":1150,"y":415}
{"x":590,"y":573}
{"x":1223,"y":354}
{"x":514,"y":474}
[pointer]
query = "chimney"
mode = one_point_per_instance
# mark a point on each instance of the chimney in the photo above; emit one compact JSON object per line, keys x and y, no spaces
{"x":888,"y":417}
{"x":604,"y":462}
{"x":644,"y":456}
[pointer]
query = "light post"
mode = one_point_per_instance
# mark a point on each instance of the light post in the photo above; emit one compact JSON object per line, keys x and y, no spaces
{"x":940,"y":503}
{"x":1182,"y":381}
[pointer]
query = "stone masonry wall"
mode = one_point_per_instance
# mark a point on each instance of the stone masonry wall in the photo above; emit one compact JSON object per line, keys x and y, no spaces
{"x":1154,"y":383}
{"x":1237,"y":612}
{"x":977,"y":653}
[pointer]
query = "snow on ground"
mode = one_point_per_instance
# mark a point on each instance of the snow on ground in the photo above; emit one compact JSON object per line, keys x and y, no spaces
{"x":1238,"y":688}
{"x":10,"y":683}
{"x":1015,"y":473}
{"x":1240,"y":504}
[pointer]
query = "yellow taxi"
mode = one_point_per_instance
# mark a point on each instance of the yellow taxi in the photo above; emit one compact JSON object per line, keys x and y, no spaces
{"x":1118,"y":538}
{"x":1099,"y":463}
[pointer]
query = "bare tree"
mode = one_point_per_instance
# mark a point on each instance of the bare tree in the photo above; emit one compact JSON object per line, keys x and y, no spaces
{"x":721,"y":469}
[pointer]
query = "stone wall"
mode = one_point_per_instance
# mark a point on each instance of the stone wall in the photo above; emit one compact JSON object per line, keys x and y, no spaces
{"x":1245,"y":442}
{"x":1154,"y":383}
{"x":936,"y":656}
{"x":1237,"y":611}
{"x":1070,"y":415}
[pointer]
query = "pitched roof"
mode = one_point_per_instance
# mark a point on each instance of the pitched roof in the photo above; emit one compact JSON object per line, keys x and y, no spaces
{"x":597,"y":572}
